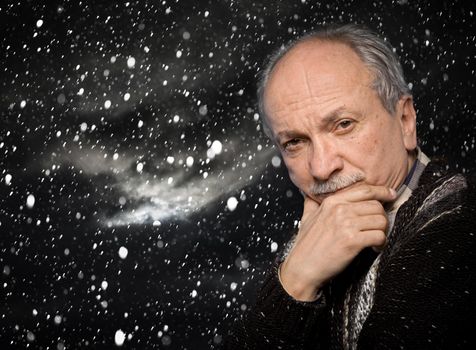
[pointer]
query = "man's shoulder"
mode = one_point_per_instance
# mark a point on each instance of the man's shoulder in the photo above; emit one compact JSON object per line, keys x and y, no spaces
{"x":428,"y":262}
{"x":438,"y":218}
{"x":443,"y":202}
{"x":443,"y":187}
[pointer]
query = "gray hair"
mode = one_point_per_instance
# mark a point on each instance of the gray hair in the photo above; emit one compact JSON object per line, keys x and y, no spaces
{"x":375,"y":53}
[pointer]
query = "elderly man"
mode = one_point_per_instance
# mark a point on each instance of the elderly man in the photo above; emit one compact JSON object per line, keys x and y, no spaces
{"x":385,"y":252}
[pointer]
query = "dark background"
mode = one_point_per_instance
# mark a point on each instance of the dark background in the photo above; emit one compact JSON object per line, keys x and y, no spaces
{"x":87,"y":136}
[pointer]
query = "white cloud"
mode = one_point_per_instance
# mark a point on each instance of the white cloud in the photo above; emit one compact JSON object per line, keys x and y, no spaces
{"x":172,"y":194}
{"x":165,"y":200}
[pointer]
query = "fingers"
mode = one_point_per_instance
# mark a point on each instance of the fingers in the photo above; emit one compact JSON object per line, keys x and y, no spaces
{"x":372,"y":222}
{"x":371,"y":238}
{"x":331,"y":234}
{"x":366,"y":192}
{"x":370,"y":207}
{"x":365,"y":215}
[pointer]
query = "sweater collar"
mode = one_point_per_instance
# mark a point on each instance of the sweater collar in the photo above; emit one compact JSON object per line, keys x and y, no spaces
{"x":407,"y":187}
{"x":410,"y":183}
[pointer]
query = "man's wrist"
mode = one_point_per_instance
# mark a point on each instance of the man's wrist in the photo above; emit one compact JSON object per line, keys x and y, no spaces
{"x":302,"y":295}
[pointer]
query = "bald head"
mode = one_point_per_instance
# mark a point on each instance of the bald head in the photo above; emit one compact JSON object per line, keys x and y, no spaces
{"x":316,"y":65}
{"x":375,"y":54}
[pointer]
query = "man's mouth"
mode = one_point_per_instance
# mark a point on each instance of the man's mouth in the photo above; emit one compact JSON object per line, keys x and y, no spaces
{"x":335,"y":184}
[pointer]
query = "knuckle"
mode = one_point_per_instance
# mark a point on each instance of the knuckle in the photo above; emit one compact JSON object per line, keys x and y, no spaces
{"x":340,"y":210}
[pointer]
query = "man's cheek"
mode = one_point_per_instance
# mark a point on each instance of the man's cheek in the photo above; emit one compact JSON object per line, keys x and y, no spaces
{"x":297,"y":181}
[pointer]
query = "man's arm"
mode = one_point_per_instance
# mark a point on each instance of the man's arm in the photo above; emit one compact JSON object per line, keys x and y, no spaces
{"x":277,"y":321}
{"x":287,"y":314}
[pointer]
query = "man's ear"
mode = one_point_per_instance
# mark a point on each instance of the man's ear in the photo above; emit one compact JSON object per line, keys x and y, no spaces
{"x":407,"y":117}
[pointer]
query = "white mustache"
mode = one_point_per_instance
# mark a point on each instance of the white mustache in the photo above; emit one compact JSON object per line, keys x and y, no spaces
{"x":335,"y":183}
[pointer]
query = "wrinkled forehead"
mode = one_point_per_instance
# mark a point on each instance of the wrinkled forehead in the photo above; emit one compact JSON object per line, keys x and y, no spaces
{"x":314,"y":69}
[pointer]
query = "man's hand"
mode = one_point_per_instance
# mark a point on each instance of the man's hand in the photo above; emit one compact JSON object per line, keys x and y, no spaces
{"x":331,"y":235}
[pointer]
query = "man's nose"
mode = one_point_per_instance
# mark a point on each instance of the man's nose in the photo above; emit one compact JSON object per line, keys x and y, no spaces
{"x":324,"y":160}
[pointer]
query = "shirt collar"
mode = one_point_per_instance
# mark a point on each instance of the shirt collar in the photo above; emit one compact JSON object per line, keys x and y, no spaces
{"x":410,"y":183}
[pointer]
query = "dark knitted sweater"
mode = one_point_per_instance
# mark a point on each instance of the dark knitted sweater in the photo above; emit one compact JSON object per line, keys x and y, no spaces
{"x":424,"y":293}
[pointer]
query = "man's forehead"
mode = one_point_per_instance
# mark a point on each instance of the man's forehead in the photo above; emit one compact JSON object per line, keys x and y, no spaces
{"x":318,"y":66}
{"x":303,"y":88}
{"x":317,"y":52}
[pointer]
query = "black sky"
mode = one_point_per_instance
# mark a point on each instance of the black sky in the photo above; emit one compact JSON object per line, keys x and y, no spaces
{"x":133,"y":126}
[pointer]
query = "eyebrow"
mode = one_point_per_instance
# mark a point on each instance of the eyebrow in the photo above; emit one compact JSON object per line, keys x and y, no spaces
{"x":329,"y":118}
{"x":286,"y":135}
{"x":332,"y":116}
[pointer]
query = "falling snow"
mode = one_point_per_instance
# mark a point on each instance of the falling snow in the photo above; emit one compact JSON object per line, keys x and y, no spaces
{"x":30,"y":201}
{"x":137,"y":187}
{"x":123,"y":252}
{"x":119,"y":337}
{"x":8,"y":179}
{"x":131,"y":62}
{"x":231,"y":203}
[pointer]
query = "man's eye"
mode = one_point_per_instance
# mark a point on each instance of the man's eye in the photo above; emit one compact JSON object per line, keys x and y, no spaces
{"x":344,"y":124}
{"x":291,"y":144}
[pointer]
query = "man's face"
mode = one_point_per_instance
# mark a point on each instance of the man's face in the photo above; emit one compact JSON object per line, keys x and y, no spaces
{"x":330,"y":125}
